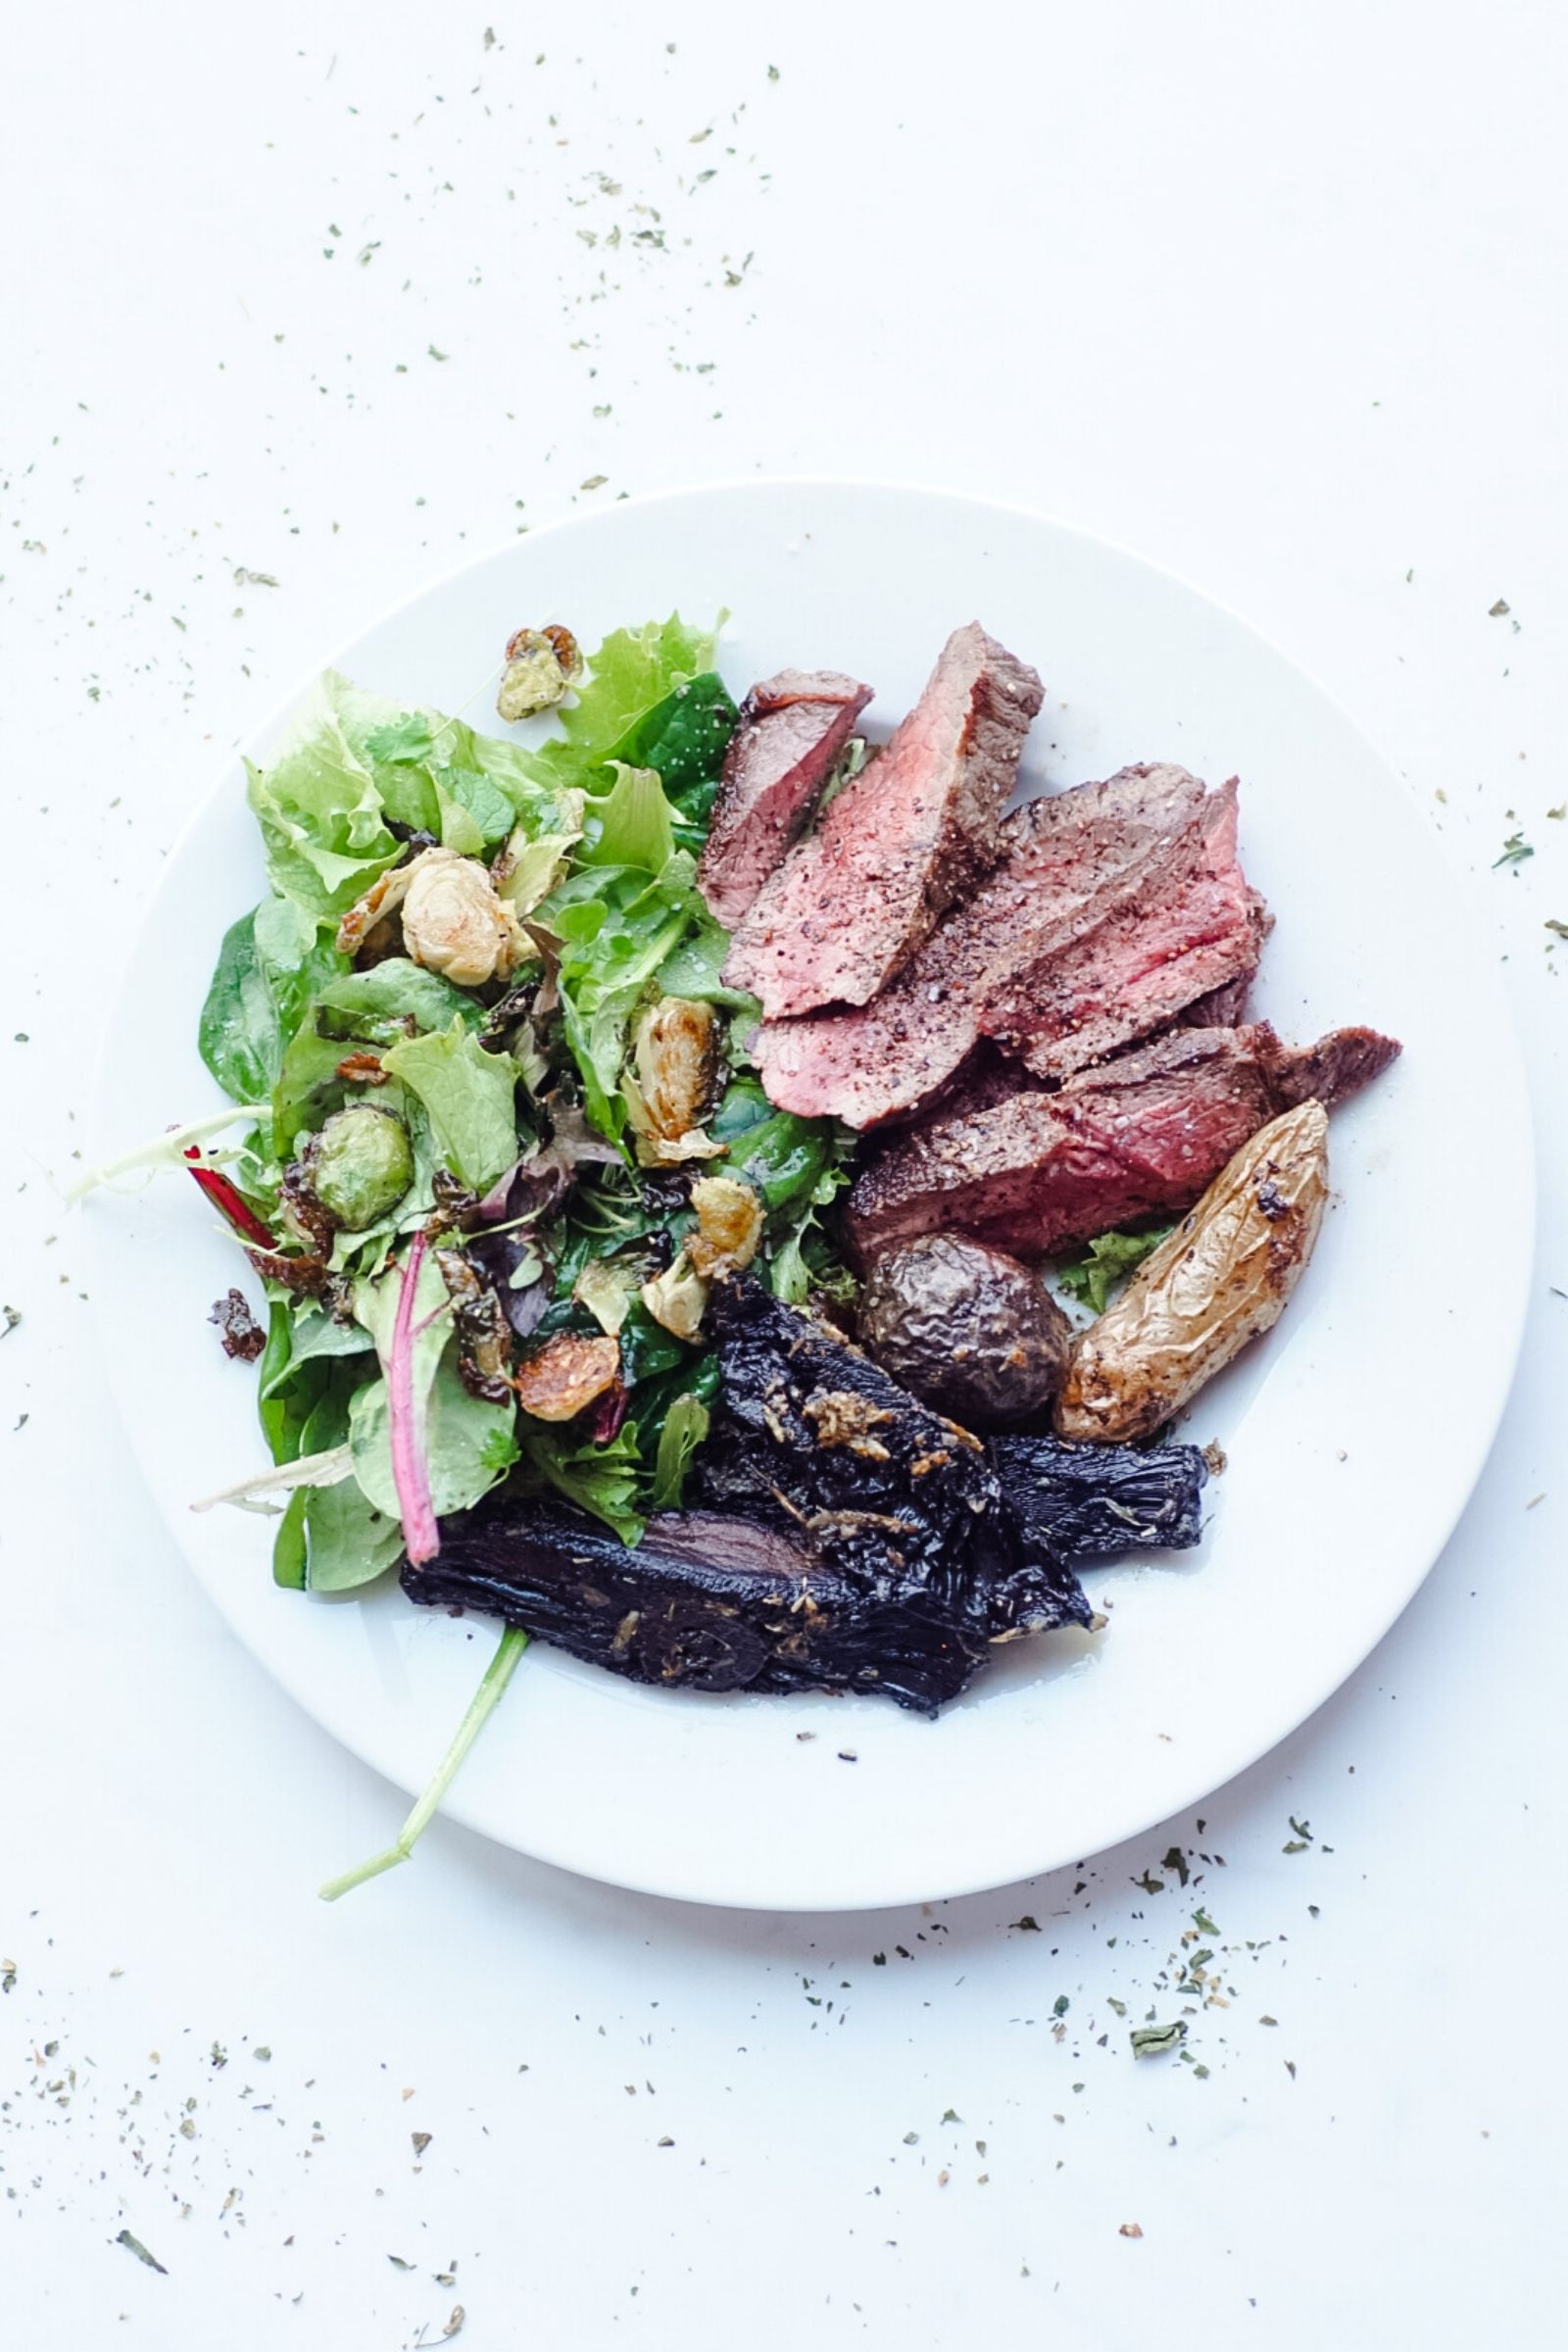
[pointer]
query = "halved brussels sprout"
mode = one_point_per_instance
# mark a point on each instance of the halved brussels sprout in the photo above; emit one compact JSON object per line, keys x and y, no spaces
{"x":677,"y":1076}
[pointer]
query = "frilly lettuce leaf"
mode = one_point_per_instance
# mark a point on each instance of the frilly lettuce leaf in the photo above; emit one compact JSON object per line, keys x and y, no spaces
{"x":605,"y":1480}
{"x":632,"y":670}
{"x":358,"y":763}
{"x":1103,"y":1265}
{"x":633,"y":824}
{"x":321,"y":816}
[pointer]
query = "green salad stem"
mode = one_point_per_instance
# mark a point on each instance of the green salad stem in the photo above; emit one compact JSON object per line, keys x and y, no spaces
{"x":165,"y":1151}
{"x":497,"y":1675}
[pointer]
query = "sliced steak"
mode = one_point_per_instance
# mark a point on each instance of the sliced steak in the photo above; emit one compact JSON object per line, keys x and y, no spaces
{"x":1222,"y":1008}
{"x":792,"y":728}
{"x":913,"y":832}
{"x":1076,"y":866}
{"x":1196,"y":929}
{"x":1140,"y":1136}
{"x":1336,"y":1066}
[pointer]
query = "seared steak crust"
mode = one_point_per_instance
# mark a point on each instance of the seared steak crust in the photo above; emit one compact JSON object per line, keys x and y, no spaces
{"x":1138,"y":1137}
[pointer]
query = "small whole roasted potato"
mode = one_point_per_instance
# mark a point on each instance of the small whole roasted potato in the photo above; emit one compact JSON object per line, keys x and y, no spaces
{"x":965,"y":1328}
{"x":1223,"y":1276}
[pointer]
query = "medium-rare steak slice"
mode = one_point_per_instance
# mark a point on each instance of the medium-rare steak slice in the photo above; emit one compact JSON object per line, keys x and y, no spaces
{"x":1138,"y":1137}
{"x":1069,"y":861}
{"x":1116,"y":906}
{"x":792,"y":728}
{"x":1196,"y":929}
{"x":913,"y":832}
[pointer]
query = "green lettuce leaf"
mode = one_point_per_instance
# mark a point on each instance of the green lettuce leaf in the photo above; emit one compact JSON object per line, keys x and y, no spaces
{"x":634,"y":670}
{"x":320,"y":814}
{"x":616,"y":927}
{"x":1102,"y":1264}
{"x":604,"y":1480}
{"x":474,"y":813}
{"x":469,"y":1097}
{"x":685,"y":1427}
{"x":357,"y":760}
{"x":633,"y":824}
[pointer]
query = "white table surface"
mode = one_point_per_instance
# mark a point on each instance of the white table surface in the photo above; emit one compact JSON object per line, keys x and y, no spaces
{"x":311,"y":294}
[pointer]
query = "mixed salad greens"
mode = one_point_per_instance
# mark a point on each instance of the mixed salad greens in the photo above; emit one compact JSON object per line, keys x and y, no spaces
{"x":454,"y":1138}
{"x":477,"y":1039}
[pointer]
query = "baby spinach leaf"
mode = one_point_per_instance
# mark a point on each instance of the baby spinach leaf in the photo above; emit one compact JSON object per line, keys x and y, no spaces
{"x":684,"y":737}
{"x":465,"y":1436}
{"x":239,"y":1035}
{"x":267,"y":966}
{"x":288,"y":1544}
{"x":348,"y":1542}
{"x":308,"y":1085}
{"x":694,"y":970}
{"x":396,"y":990}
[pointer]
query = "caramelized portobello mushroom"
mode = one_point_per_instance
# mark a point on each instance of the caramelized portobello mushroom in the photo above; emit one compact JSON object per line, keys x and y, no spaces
{"x":707,"y":1602}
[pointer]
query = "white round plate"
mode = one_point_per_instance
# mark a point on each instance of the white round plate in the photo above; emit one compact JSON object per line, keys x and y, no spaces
{"x":1355,"y":1432}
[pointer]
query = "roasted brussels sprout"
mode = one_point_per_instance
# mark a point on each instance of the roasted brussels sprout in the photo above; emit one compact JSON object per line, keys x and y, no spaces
{"x":566,"y":1374}
{"x":1224,"y":1275}
{"x":965,"y":1327}
{"x":729,"y":1225}
{"x":360,"y":1165}
{"x":677,"y":1298}
{"x":674,"y":1082}
{"x":541,"y":665}
{"x":453,"y":921}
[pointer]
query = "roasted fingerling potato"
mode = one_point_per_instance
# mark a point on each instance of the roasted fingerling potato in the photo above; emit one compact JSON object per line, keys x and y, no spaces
{"x":1223,"y":1276}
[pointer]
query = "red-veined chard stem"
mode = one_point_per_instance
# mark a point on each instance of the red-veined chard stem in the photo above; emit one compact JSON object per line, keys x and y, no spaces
{"x":230,"y":1202}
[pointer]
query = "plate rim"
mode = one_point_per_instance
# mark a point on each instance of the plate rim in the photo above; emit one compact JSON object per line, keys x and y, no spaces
{"x":1508,"y":1314}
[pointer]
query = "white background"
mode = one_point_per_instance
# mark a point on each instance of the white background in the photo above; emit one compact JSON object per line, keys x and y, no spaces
{"x":1276,"y":298}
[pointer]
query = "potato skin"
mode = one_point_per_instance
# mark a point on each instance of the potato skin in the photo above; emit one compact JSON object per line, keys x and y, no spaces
{"x":1223,"y":1276}
{"x":965,"y":1327}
